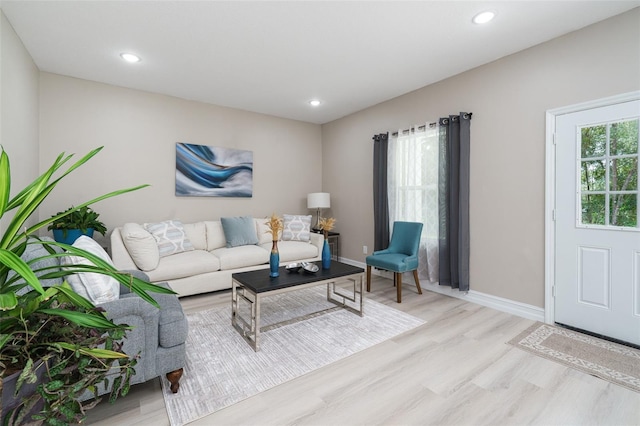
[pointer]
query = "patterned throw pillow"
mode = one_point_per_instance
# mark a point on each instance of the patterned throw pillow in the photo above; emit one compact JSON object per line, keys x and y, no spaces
{"x":296,"y":228}
{"x":170,"y":237}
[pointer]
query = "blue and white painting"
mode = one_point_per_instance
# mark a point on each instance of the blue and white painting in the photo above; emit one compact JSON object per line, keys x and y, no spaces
{"x":209,"y":171}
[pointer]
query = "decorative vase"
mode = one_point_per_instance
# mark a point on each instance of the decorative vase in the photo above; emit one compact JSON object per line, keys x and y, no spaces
{"x":326,"y":255}
{"x":274,"y":260}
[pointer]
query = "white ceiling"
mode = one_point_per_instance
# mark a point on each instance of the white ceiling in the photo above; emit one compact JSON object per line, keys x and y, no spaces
{"x":273,"y":57}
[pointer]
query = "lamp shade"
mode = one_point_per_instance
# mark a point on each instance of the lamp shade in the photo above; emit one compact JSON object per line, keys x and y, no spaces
{"x":318,"y":200}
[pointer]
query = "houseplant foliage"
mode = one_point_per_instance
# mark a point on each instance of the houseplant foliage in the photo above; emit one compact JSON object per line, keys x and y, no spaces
{"x":83,"y":218}
{"x":54,"y":328}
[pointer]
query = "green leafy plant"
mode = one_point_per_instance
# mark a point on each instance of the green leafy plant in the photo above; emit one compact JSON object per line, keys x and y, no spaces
{"x":82,"y":218}
{"x":55,"y":328}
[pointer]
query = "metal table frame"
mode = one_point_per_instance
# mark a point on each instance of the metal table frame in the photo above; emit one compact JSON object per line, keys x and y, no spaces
{"x":250,"y":330}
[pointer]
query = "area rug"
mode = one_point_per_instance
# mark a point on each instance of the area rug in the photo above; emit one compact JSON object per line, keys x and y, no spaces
{"x":222,"y":368}
{"x":610,"y":361}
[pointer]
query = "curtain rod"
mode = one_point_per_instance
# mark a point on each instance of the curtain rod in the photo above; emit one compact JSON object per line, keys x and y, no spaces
{"x":413,"y":129}
{"x":466,"y":115}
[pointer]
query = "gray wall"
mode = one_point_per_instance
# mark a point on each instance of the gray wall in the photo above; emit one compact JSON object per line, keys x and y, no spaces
{"x":139,"y":131}
{"x":508,"y":99}
{"x":18,"y":110}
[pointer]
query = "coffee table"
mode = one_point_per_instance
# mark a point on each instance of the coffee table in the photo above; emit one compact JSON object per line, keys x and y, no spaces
{"x":251,"y":287}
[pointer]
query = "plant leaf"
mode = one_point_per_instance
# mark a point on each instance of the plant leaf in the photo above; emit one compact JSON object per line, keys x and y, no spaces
{"x":94,"y":320}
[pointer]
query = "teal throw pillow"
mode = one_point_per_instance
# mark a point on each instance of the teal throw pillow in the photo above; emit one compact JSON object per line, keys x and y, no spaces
{"x":239,"y":231}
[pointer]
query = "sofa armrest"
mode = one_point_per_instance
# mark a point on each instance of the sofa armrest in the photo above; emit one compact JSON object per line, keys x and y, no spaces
{"x":142,"y":339}
{"x":317,"y":240}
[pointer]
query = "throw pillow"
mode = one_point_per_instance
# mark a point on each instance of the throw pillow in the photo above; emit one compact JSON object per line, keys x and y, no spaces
{"x":239,"y":231}
{"x":296,"y":228}
{"x":141,"y":245}
{"x":93,"y":286}
{"x":170,"y":237}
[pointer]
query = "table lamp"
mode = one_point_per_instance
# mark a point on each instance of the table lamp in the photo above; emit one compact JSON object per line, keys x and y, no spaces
{"x":318,"y":200}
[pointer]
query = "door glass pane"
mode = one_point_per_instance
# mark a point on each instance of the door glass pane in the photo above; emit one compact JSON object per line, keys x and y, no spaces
{"x":623,"y":174}
{"x":624,"y":137}
{"x":593,"y":208}
{"x":623,"y":210}
{"x":593,"y":141}
{"x":593,"y":175}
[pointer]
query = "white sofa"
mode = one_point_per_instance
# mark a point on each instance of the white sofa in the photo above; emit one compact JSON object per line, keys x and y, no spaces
{"x":209,"y":266}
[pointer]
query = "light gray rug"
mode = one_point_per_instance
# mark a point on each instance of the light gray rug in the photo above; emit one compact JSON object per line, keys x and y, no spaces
{"x":222,"y":369}
{"x":610,"y":361}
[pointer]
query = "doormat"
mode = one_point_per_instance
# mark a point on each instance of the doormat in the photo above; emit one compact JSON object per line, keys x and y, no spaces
{"x":609,"y":361}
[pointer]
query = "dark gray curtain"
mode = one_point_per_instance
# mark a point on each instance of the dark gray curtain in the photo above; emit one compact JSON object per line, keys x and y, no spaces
{"x":380,"y":196}
{"x":453,"y":200}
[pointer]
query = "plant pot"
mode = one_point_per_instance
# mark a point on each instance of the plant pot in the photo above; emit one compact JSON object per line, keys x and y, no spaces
{"x":68,"y":236}
{"x":11,"y":401}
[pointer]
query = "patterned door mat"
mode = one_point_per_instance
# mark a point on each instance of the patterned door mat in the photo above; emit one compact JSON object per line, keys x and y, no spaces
{"x":610,"y":361}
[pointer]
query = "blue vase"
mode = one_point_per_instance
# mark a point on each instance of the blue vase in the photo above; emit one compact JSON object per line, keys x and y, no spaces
{"x":274,"y":261}
{"x":326,"y":255}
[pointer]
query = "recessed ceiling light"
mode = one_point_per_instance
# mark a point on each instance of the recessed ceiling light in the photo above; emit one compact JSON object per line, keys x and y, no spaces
{"x":483,"y":17}
{"x":314,"y":102}
{"x":130,"y":57}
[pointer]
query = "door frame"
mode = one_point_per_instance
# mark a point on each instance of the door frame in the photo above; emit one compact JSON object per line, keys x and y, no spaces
{"x":550,"y":190}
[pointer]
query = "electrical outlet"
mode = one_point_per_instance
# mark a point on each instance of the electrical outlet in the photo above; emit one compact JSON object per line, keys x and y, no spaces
{"x":365,"y":250}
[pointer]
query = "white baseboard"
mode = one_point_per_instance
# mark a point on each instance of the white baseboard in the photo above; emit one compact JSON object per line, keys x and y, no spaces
{"x":499,"y":303}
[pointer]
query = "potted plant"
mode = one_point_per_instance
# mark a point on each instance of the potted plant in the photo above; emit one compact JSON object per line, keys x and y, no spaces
{"x":74,"y":222}
{"x":52,"y":332}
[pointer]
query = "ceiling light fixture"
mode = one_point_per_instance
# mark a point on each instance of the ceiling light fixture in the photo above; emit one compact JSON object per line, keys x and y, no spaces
{"x":314,"y":102}
{"x":130,"y":57}
{"x":483,"y":17}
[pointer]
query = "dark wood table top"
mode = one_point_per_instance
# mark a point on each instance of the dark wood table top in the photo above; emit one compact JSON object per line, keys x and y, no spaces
{"x":259,"y":281}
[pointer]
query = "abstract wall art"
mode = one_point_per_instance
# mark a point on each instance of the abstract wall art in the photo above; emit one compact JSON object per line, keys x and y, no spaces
{"x":209,"y":171}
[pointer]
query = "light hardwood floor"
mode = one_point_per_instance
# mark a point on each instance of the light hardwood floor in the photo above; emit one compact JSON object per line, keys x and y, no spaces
{"x":454,"y":370}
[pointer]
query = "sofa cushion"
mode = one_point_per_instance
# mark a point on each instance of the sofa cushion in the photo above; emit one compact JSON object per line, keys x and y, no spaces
{"x":264,"y":233}
{"x":184,"y":264}
{"x":239,"y":231}
{"x":141,"y":245}
{"x":39,"y":262}
{"x":93,"y":286}
{"x":170,"y":237}
{"x":197,"y":234}
{"x":291,"y":251}
{"x":215,"y":235}
{"x":241,"y":256}
{"x":296,"y":227}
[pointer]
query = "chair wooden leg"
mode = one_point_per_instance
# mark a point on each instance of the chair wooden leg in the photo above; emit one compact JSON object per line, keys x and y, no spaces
{"x":415,"y":277}
{"x":398,"y":281}
{"x":368,"y":278}
{"x":174,"y":378}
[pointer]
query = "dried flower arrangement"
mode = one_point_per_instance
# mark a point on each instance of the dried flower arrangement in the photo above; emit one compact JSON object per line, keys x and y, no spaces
{"x":327,"y":224}
{"x":275,"y":226}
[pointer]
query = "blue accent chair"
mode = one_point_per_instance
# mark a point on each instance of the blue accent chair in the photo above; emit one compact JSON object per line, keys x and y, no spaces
{"x":401,"y":255}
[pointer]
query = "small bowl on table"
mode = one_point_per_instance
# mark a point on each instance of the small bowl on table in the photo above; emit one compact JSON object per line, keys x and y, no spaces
{"x":293,"y":267}
{"x":310,"y":268}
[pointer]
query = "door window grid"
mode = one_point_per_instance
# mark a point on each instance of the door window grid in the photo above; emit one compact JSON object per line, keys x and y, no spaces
{"x":608,"y":180}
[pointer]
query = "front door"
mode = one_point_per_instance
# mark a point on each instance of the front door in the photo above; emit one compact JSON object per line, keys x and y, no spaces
{"x":597,"y":253}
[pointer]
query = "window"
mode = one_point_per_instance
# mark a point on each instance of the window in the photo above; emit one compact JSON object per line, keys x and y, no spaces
{"x":608,"y":178}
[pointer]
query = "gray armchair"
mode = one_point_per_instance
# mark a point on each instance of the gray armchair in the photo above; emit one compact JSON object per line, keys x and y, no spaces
{"x":158,"y":335}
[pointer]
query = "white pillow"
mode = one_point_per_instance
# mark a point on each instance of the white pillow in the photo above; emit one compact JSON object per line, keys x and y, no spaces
{"x":170,"y":237}
{"x":296,"y":228}
{"x":141,"y":245}
{"x":96,"y":287}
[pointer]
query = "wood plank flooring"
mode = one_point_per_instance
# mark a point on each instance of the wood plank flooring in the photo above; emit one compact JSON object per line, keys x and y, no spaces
{"x":455,"y":370}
